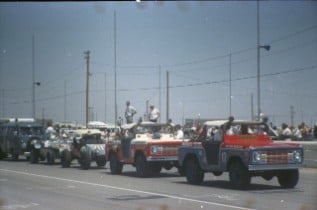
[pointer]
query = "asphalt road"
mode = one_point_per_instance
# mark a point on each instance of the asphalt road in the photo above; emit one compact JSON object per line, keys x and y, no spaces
{"x":40,"y":186}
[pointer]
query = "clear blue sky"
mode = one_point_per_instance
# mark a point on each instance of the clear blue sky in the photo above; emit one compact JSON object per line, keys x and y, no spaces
{"x":190,"y":40}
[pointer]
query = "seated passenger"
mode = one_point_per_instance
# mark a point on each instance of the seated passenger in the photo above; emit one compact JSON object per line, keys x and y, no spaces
{"x":217,"y":134}
{"x":202,"y":133}
{"x":244,"y":130}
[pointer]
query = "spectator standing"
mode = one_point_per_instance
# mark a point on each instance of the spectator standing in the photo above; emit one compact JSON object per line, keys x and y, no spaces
{"x":154,"y":113}
{"x":130,"y":111}
{"x":179,"y":132}
{"x":286,"y":131}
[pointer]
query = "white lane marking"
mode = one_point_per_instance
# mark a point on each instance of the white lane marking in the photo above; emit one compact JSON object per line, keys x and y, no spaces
{"x":225,"y":197}
{"x":130,"y":190}
{"x":19,"y":206}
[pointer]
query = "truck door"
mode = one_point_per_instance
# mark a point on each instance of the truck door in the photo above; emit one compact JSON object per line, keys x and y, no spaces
{"x":212,"y":149}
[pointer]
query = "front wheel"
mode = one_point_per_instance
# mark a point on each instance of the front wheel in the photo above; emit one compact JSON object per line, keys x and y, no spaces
{"x":101,"y":161}
{"x":2,"y":154}
{"x":34,"y":155}
{"x":194,"y":174}
{"x":142,"y":168}
{"x":65,"y":158}
{"x":239,"y":175}
{"x":115,"y":165}
{"x":85,"y":159}
{"x":288,"y":178}
{"x":50,"y":157}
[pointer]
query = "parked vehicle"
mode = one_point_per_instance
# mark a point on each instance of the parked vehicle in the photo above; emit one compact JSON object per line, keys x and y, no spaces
{"x":244,"y":149}
{"x":87,"y":146}
{"x":21,"y":136}
{"x":53,"y":147}
{"x":146,"y":145}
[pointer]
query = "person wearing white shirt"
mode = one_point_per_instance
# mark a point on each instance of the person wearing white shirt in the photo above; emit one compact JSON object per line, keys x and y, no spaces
{"x":129,"y":113}
{"x":179,"y":132}
{"x":154,"y":114}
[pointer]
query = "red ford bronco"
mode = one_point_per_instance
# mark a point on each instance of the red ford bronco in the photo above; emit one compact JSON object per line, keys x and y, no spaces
{"x":146,"y":145}
{"x":244,"y":149}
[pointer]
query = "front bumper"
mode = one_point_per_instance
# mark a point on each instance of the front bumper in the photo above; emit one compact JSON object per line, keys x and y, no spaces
{"x":161,"y":159}
{"x":266,"y":167}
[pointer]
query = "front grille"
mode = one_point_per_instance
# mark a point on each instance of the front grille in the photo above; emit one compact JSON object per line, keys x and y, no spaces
{"x":169,"y":150}
{"x":278,"y":156}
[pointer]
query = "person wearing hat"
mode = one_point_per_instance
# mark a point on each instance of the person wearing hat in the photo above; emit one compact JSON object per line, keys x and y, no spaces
{"x":130,"y":111}
{"x":154,"y":113}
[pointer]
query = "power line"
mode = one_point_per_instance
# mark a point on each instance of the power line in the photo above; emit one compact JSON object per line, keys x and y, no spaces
{"x":293,"y":34}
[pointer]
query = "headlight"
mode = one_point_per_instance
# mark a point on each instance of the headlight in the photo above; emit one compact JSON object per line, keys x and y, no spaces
{"x":156,"y":149}
{"x":258,"y":157}
{"x":297,"y":157}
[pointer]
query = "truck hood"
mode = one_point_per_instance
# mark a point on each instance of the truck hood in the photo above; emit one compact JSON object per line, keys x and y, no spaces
{"x":254,"y":141}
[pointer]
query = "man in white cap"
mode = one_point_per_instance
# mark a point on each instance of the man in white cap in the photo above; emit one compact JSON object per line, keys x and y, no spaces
{"x":129,"y":113}
{"x":154,"y":114}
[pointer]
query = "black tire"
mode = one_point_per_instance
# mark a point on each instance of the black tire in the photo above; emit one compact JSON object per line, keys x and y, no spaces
{"x":101,"y":161}
{"x":2,"y":154}
{"x":239,"y":176}
{"x":115,"y":165}
{"x":217,"y":173}
{"x":85,"y":159}
{"x":194,"y":174}
{"x":155,"y":169}
{"x":142,"y":167}
{"x":34,"y":155}
{"x":65,"y":158}
{"x":181,"y":171}
{"x":15,"y":157}
{"x":288,"y":178}
{"x":50,"y":157}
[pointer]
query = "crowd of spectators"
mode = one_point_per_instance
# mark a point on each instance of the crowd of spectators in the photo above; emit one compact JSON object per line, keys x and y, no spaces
{"x":302,"y":132}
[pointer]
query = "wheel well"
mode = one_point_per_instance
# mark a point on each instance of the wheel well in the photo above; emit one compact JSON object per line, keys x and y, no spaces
{"x":110,"y":153}
{"x":189,"y":156}
{"x":137,"y":153}
{"x":232,"y":160}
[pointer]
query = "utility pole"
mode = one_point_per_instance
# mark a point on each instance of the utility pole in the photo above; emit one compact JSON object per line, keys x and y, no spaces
{"x":167,"y":96}
{"x":105,"y":97}
{"x":115,"y":68}
{"x":65,"y":103}
{"x":33,"y":78}
{"x":147,"y":118}
{"x":292,"y":113}
{"x":87,"y":57}
{"x":258,"y":60}
{"x":252,"y":109}
{"x":160,"y":101}
{"x":3,"y":98}
{"x":230,"y":109}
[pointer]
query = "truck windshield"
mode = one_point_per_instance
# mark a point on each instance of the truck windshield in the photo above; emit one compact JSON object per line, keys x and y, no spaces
{"x":31,"y":131}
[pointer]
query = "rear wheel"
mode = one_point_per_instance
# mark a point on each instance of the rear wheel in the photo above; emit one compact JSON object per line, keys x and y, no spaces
{"x":194,"y":174}
{"x":65,"y":158}
{"x":142,"y":168}
{"x":288,"y":178}
{"x":239,"y":175}
{"x":115,"y":165}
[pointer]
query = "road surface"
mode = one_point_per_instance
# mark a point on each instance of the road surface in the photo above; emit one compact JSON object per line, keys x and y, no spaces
{"x":40,"y":186}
